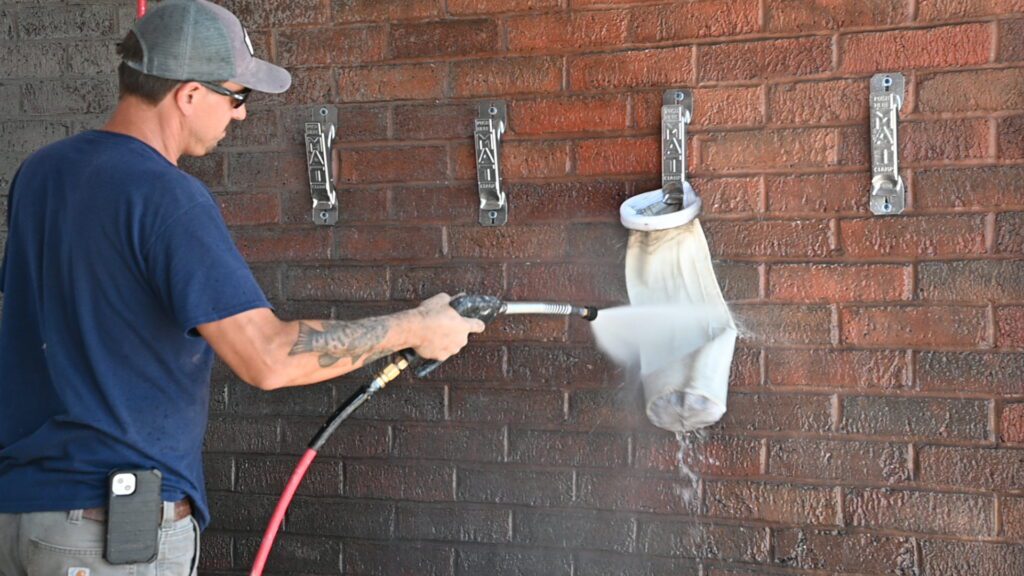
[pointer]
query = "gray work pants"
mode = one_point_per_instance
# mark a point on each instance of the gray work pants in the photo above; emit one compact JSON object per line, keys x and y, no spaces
{"x":65,"y":544}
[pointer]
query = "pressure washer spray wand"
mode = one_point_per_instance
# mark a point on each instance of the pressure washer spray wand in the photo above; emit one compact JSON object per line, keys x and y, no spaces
{"x":485,"y":308}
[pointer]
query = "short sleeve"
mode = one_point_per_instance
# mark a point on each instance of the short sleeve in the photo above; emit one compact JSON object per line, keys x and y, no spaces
{"x":197,"y":272}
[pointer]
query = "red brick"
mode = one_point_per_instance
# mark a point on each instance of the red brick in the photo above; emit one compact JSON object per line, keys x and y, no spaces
{"x":673,"y":537}
{"x":746,"y":369}
{"x":504,"y":561}
{"x":834,"y":101}
{"x":507,"y":242}
{"x":349,"y":518}
{"x":523,"y":159}
{"x":842,"y":369}
{"x":636,"y":493}
{"x":569,"y":114}
{"x":724,"y":106}
{"x":913,"y":236}
{"x":700,"y":19}
{"x":945,"y":47}
{"x":401,"y":82}
{"x":632,"y":69}
{"x":574,"y":529}
{"x":421,"y":282}
{"x":525,"y":329}
{"x":780,"y":324}
{"x":250,"y":209}
{"x":943,"y":140}
{"x":567,"y":281}
{"x":391,"y":558}
{"x":994,"y":90}
{"x":449,"y":522}
{"x":955,"y":9}
{"x":715,"y":455}
{"x":1012,"y":510}
{"x":561,"y":448}
{"x":948,"y":557}
{"x":308,"y":85}
{"x":211,"y":169}
{"x":506,"y":485}
{"x":838,"y":282}
{"x":448,"y":442}
{"x":818,"y":193}
{"x":567,"y":32}
{"x":1011,"y":137}
{"x":768,"y":238}
{"x":262,"y":15}
{"x":612,"y":564}
{"x":532,"y":364}
{"x":606,"y":409}
{"x":560,"y":201}
{"x":506,"y":406}
{"x":331,"y":46}
{"x":768,"y":149}
{"x":738,"y":281}
{"x":462,"y":7}
{"x":922,"y":512}
{"x":283,"y":244}
{"x":260,"y":128}
{"x":805,"y":505}
{"x":447,"y":38}
{"x":356,"y":123}
{"x":506,"y":76}
{"x":1011,"y":423}
{"x":974,"y":468}
{"x":249,"y":170}
{"x":336,"y":283}
{"x":421,"y":402}
{"x":391,"y":164}
{"x":916,"y":417}
{"x":360,"y":439}
{"x":1011,"y":40}
{"x":434,"y":121}
{"x":1010,"y":233}
{"x":384,"y":10}
{"x":970,"y":372}
{"x":988,"y":187}
{"x":451,"y":204}
{"x":971,"y":281}
{"x":478,"y":363}
{"x":914,"y":326}
{"x":839,"y":461}
{"x":264,"y":475}
{"x":375,"y":242}
{"x":618,"y":156}
{"x":423,"y":482}
{"x":778,"y":413}
{"x":765,"y":59}
{"x":1010,"y":327}
{"x":811,"y":15}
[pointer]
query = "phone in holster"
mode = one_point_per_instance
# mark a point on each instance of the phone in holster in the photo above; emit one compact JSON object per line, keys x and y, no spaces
{"x":134,"y":505}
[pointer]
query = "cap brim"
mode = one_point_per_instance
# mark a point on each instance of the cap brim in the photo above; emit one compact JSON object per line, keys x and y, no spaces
{"x":263,"y":76}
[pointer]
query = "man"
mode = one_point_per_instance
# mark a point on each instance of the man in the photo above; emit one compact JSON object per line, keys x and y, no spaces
{"x":119,"y":277}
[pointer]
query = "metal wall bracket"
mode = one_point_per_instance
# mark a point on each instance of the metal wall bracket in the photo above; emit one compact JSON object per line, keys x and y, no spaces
{"x":489,"y":126}
{"x":676,"y":112}
{"x":888,"y":194}
{"x":319,"y":136}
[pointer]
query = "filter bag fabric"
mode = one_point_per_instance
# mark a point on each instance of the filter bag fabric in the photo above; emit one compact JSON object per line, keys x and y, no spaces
{"x":677,"y":334}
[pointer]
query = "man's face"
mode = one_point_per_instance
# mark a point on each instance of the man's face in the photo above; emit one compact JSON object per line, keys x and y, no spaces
{"x":214,"y":112}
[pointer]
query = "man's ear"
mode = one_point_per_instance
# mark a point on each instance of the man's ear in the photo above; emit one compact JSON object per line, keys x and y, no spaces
{"x":186,"y":95}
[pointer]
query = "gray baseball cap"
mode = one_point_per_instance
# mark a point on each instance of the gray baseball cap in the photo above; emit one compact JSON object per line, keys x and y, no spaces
{"x":198,"y":40}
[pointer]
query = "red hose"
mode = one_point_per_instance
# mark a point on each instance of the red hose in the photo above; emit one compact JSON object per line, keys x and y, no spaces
{"x":140,"y":8}
{"x":282,"y":506}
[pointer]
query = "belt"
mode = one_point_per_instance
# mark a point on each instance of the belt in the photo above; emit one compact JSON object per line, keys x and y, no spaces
{"x":182,"y":509}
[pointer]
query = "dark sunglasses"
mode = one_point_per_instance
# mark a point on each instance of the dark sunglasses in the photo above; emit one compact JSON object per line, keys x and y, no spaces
{"x":239,"y":97}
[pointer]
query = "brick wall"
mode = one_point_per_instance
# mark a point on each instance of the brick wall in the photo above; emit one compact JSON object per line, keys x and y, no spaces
{"x":876,"y":424}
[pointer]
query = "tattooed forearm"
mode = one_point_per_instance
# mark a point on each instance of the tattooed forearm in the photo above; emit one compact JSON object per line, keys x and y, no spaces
{"x":354,"y":340}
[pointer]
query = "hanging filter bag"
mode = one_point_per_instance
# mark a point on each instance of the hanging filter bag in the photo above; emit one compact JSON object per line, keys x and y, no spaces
{"x":677,"y":333}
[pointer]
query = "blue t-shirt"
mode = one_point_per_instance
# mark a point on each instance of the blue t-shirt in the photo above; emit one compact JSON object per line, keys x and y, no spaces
{"x":113,"y":257}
